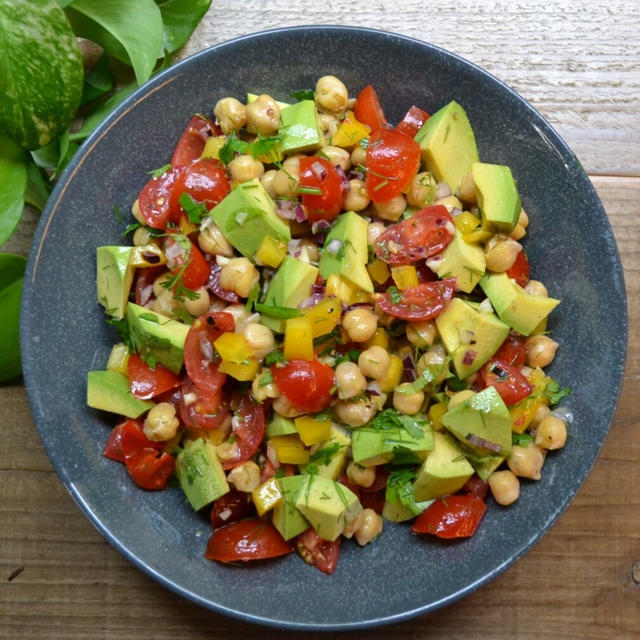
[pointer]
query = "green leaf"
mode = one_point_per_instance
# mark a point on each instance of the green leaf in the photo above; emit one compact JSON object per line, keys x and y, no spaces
{"x":180,"y":18}
{"x":40,"y":71}
{"x":38,"y":190}
{"x":130,"y":30}
{"x":11,"y":276}
{"x":554,"y":393}
{"x":56,"y":155}
{"x":98,"y":81}
{"x":13,"y":184}
{"x":303,"y":94}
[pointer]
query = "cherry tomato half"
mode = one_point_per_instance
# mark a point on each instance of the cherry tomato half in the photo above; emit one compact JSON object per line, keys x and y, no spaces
{"x":231,"y":507}
{"x":368,"y":110}
{"x":455,"y":516}
{"x":113,"y":447}
{"x":412,"y":121}
{"x":155,"y":200}
{"x":319,"y":174}
{"x":507,"y":380}
{"x":320,"y":553}
{"x":204,"y":180}
{"x":305,"y":383}
{"x":520,"y":270}
{"x":415,"y":304}
{"x":513,"y":350}
{"x":184,"y":257}
{"x":246,"y":540}
{"x":146,"y":382}
{"x":392,"y":160}
{"x":206,"y":411}
{"x":424,"y":234}
{"x":248,"y":429}
{"x":191,"y":143}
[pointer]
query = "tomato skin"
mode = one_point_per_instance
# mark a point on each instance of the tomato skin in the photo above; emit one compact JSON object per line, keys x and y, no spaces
{"x":231,"y":507}
{"x":455,"y":516}
{"x":476,"y":486}
{"x":155,"y":200}
{"x":245,"y":541}
{"x":513,"y":350}
{"x":507,"y":380}
{"x":249,"y":430}
{"x":209,"y":411}
{"x":520,"y":270}
{"x":424,"y":302}
{"x":320,"y":553}
{"x":191,"y":143}
{"x":204,"y":180}
{"x":368,"y":110}
{"x":305,"y":383}
{"x":113,"y":446}
{"x":319,"y":173}
{"x":146,"y":382}
{"x":424,"y":234}
{"x":196,"y":272}
{"x":392,"y":160}
{"x":412,"y":121}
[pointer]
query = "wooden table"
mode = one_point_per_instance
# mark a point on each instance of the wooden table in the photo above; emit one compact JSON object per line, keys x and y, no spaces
{"x":578,"y":62}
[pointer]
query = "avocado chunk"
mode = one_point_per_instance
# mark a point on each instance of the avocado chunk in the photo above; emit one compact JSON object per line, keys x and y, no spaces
{"x":288,"y":288}
{"x":114,"y":276}
{"x":482,"y":422}
{"x":327,"y":505}
{"x":110,"y":391}
{"x":299,"y":127}
{"x":330,"y":458}
{"x":498,"y":198}
{"x":519,"y":309}
{"x":460,"y":260}
{"x":444,"y":471}
{"x":286,"y":517}
{"x":200,"y":473}
{"x":280,"y":426}
{"x":247,"y":215}
{"x":349,"y":259}
{"x":470,"y":337}
{"x":400,"y":498}
{"x":448,"y":145}
{"x":156,"y":337}
{"x":484,"y":466}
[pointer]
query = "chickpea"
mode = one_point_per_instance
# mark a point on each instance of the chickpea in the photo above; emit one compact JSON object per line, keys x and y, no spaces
{"x":434,"y":357}
{"x":245,"y":477}
{"x":227,"y":451}
{"x":541,"y":413}
{"x":551,"y":433}
{"x":244,"y":168}
{"x":421,"y":334}
{"x":541,"y":350}
{"x":362,"y":476}
{"x":135,"y":212}
{"x":358,"y":155}
{"x":239,"y":275}
{"x":391,"y":209}
{"x":518,"y":232}
{"x":350,"y":380}
{"x":263,"y":115}
{"x":526,"y":462}
{"x":500,"y":253}
{"x":467,"y":189}
{"x":370,"y":527}
{"x":198,"y":306}
{"x":450,"y":203}
{"x":310,"y":249}
{"x":239,"y":313}
{"x":422,"y":189}
{"x":504,"y":486}
{"x":263,"y":391}
{"x":523,"y":219}
{"x":374,"y":362}
{"x":267,"y":179}
{"x":536,"y":288}
{"x":141,"y":237}
{"x":409,"y":403}
{"x":161,"y":423}
{"x":360,"y":324}
{"x":212,"y":241}
{"x":328,"y":123}
{"x":159,"y":284}
{"x":337,"y":156}
{"x":260,"y":339}
{"x":374,"y":229}
{"x":283,"y":407}
{"x":459,"y":398}
{"x":164,"y":303}
{"x":357,"y":197}
{"x":231,"y":114}
{"x":353,"y":414}
{"x":331,"y":95}
{"x":286,"y":181}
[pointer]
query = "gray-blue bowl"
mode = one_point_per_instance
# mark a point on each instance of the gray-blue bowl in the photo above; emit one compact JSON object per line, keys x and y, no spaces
{"x":64,"y":335}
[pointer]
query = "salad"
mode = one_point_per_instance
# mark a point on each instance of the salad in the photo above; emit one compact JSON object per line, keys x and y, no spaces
{"x":327,"y":321}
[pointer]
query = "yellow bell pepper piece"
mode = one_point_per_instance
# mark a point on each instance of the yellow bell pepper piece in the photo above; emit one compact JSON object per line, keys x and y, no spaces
{"x":341,"y":288}
{"x":477,"y":235}
{"x":271,"y":252}
{"x":148,"y":255}
{"x":350,"y":131}
{"x":242,"y":371}
{"x":215,"y":436}
{"x":324,"y":316}
{"x":378,"y":270}
{"x":298,"y":339}
{"x":118,"y":359}
{"x":212,"y":147}
{"x":405,"y":276}
{"x":380,"y":339}
{"x":523,"y":412}
{"x":466,"y":222}
{"x":394,"y":374}
{"x":436,"y":411}
{"x":267,"y":495}
{"x":233,"y":347}
{"x":290,"y":449}
{"x":313,"y":431}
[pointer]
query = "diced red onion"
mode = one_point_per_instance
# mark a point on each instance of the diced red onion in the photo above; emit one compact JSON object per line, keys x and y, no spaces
{"x":172,"y":252}
{"x":320,"y":225}
{"x":145,"y":294}
{"x":286,"y":208}
{"x":408,"y":369}
{"x":206,"y":348}
{"x":293,"y":246}
{"x":442,"y":190}
{"x":317,"y":288}
{"x":466,"y":336}
{"x":565,"y":414}
{"x":300,"y":215}
{"x":334,"y":246}
{"x":213,"y":285}
{"x":455,"y":211}
{"x":343,"y":178}
{"x":355,"y":174}
{"x":373,"y":388}
{"x":241,"y":217}
{"x":477,"y":441}
{"x":469,"y":357}
{"x":311,"y":301}
{"x":225,"y":514}
{"x":355,"y":305}
{"x":318,"y":170}
{"x":434,"y":262}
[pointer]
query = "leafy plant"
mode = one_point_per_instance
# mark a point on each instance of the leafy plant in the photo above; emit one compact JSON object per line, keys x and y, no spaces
{"x":46,"y":91}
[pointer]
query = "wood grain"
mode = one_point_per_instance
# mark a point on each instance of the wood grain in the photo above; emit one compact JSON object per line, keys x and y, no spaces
{"x":578,"y":62}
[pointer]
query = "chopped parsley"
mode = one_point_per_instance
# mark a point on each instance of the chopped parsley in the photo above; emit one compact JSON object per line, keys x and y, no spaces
{"x":277,"y":311}
{"x":554,"y":393}
{"x":232,"y":146}
{"x":175,"y":284}
{"x":124,"y":332}
{"x":266,"y":147}
{"x":194,"y":210}
{"x":118,"y":214}
{"x":275,"y":357}
{"x":351,"y":356}
{"x":303,"y":94}
{"x":156,"y":173}
{"x":392,"y":419}
{"x":521,"y":439}
{"x":265,"y":379}
{"x":395,"y":295}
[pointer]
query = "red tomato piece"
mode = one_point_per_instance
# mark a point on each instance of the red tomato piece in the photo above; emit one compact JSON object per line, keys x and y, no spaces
{"x":455,"y":516}
{"x":392,"y":160}
{"x":208,"y":411}
{"x":379,"y":483}
{"x":412,"y":121}
{"x":373,"y":500}
{"x":513,"y":350}
{"x":520,"y":271}
{"x":246,"y":540}
{"x":155,"y":200}
{"x":205,"y":181}
{"x":476,"y":486}
{"x":306,"y":384}
{"x":149,"y":469}
{"x":144,"y":283}
{"x":314,"y":550}
{"x":424,"y":234}
{"x":507,"y":380}
{"x":248,"y":429}
{"x":113,"y":447}
{"x":133,"y":439}
{"x":146,"y":382}
{"x":415,"y":304}
{"x":191,"y":143}
{"x":368,"y":110}
{"x":231,"y":507}
{"x":319,"y":174}
{"x":184,"y":257}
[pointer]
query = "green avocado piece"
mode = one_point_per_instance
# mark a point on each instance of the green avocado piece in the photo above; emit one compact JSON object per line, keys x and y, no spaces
{"x":110,"y":391}
{"x":460,"y":260}
{"x":114,"y":276}
{"x":498,"y":198}
{"x":336,"y":450}
{"x":519,"y":309}
{"x":286,"y":517}
{"x":280,"y":426}
{"x":448,"y":145}
{"x":288,"y":288}
{"x":157,"y":337}
{"x":444,"y":471}
{"x":396,"y":512}
{"x":483,"y":417}
{"x":299,"y":127}
{"x":247,"y":215}
{"x":327,"y":505}
{"x":200,"y":473}
{"x":485,"y":465}
{"x":350,"y":258}
{"x":470,"y":337}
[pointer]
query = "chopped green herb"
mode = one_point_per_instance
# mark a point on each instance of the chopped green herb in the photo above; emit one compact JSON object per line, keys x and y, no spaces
{"x":122,"y":329}
{"x":265,"y":379}
{"x":312,"y":191}
{"x":275,"y":357}
{"x":396,"y":296}
{"x":351,"y":356}
{"x":253,"y":297}
{"x":118,"y":214}
{"x":266,"y":147}
{"x":457,"y":385}
{"x":521,"y":439}
{"x":194,"y":210}
{"x":232,"y":146}
{"x":180,"y":291}
{"x":392,"y":419}
{"x":325,"y":454}
{"x":554,"y":393}
{"x":149,"y":317}
{"x":303,"y":94}
{"x":275,"y":311}
{"x":156,"y":173}
{"x":132,"y":227}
